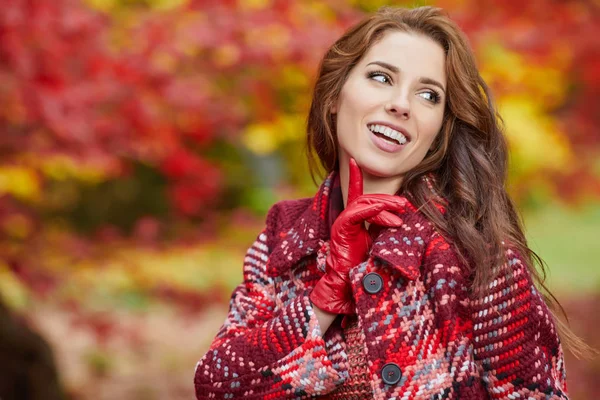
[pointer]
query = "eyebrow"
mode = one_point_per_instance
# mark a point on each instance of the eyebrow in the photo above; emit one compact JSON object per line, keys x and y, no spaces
{"x":394,"y":69}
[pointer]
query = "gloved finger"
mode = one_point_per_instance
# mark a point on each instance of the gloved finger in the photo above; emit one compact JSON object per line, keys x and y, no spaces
{"x":374,"y":198}
{"x":355,"y":182}
{"x":381,"y":221}
{"x":357,"y":215}
{"x":385,"y":219}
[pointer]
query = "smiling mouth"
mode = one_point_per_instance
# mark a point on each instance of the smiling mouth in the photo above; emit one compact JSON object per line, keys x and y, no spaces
{"x":388,"y":134}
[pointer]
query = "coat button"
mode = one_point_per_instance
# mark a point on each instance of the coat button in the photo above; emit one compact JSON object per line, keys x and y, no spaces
{"x":373,"y":282}
{"x":391,"y":374}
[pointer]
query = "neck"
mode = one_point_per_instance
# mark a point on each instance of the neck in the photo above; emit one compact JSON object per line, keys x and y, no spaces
{"x":376,"y":184}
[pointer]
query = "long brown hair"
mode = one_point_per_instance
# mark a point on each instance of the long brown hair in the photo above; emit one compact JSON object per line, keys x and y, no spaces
{"x":468,"y":159}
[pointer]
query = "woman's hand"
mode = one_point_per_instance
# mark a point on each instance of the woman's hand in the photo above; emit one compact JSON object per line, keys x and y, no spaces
{"x":350,"y":242}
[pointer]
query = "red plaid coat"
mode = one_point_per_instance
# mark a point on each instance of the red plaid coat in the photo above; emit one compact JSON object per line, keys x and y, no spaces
{"x":425,"y":335}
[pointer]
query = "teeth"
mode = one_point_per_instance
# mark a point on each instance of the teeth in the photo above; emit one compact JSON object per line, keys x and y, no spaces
{"x":389,"y":132}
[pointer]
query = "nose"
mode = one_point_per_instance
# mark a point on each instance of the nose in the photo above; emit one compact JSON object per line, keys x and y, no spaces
{"x":398,"y":106}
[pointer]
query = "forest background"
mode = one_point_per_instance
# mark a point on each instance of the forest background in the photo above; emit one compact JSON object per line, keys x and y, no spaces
{"x":143,"y":141}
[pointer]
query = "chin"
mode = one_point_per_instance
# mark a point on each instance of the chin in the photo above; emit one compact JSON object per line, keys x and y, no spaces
{"x":380,"y":170}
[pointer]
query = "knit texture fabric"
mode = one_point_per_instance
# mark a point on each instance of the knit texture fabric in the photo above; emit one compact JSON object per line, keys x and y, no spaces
{"x":445,"y":342}
{"x":358,"y":384}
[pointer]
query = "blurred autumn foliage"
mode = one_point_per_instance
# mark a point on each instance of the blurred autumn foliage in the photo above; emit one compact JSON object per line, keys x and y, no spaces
{"x":140,"y":138}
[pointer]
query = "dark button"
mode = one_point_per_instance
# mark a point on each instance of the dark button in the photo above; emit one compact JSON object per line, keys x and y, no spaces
{"x":391,"y":374}
{"x":373,"y":282}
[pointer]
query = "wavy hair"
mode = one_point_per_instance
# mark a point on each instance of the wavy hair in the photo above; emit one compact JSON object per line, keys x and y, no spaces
{"x":468,"y":159}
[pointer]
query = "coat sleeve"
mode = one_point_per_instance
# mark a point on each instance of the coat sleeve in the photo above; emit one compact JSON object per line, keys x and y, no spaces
{"x":516,"y":344}
{"x":268,"y":349}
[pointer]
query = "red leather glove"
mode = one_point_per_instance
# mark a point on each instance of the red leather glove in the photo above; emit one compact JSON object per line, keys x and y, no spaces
{"x":350,"y":242}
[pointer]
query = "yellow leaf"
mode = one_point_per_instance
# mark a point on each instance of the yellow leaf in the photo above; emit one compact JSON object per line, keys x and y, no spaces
{"x":62,"y":167}
{"x":226,"y":55}
{"x":253,"y":4}
{"x":292,"y":127}
{"x":102,"y":5}
{"x":20,"y":182}
{"x":112,"y":5}
{"x":513,"y":72}
{"x":13,"y":291}
{"x":264,"y":138}
{"x":167,"y":4}
{"x":260,"y":138}
{"x":293,"y":77}
{"x":535,"y":140}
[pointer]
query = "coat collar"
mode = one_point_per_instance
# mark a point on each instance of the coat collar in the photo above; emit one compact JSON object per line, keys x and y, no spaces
{"x":309,"y":232}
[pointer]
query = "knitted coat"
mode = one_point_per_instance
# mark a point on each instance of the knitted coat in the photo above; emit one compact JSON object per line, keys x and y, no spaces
{"x":425,"y":335}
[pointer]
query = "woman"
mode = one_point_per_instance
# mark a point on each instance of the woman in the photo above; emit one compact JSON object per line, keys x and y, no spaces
{"x":408,"y":274}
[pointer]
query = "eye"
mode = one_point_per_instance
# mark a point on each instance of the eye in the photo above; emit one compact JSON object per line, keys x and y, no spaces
{"x":380,"y":76}
{"x":431,"y":95}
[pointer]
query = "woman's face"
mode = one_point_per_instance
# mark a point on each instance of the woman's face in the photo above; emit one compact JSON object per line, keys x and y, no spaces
{"x":391,"y":106}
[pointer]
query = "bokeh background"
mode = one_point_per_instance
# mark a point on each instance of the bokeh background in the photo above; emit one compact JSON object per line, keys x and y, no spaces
{"x":143,"y":141}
